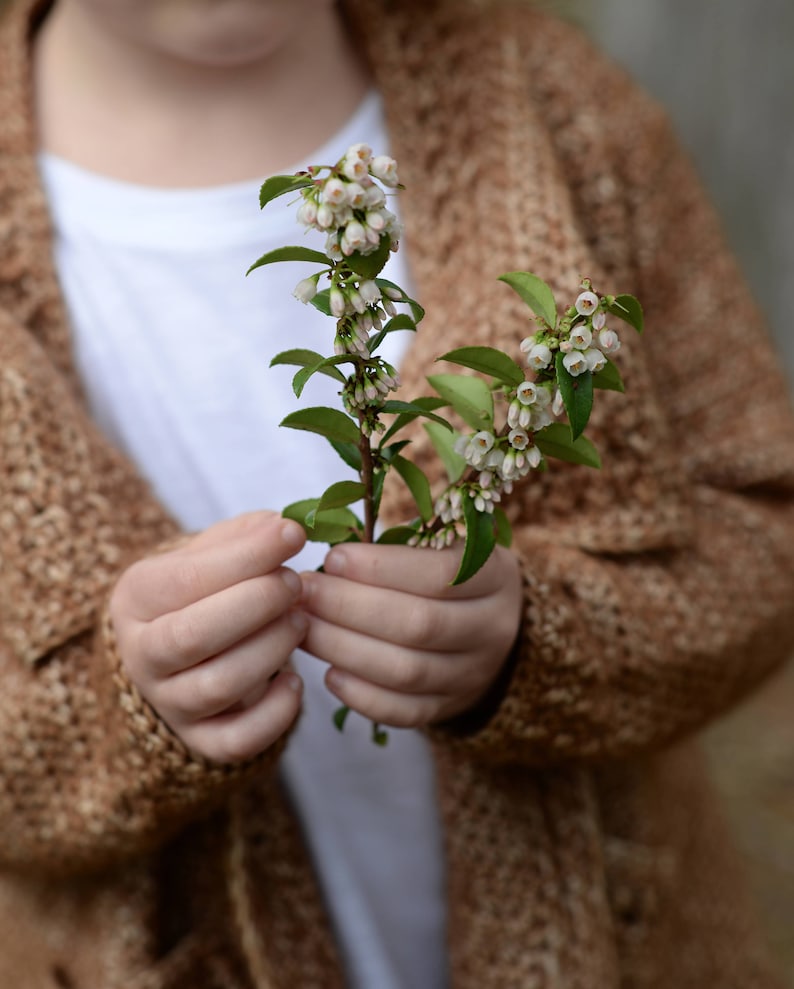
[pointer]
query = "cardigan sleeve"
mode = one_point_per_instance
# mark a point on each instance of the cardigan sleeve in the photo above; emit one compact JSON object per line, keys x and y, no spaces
{"x":659,"y":590}
{"x":88,"y":772}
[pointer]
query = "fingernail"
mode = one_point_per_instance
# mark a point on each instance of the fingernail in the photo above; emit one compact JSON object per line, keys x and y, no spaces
{"x":299,"y":621}
{"x":334,"y":680}
{"x":292,"y":580}
{"x":292,"y":534}
{"x":335,"y":562}
{"x":294,"y":682}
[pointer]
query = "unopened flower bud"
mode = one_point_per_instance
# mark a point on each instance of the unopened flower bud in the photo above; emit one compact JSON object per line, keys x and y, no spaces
{"x":609,"y":341}
{"x":384,"y":168}
{"x":337,"y":302}
{"x":306,"y":289}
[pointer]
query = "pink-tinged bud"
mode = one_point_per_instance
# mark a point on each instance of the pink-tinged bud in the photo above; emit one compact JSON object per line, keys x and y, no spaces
{"x":609,"y":341}
{"x":306,"y":289}
{"x":307,"y":212}
{"x":485,"y":479}
{"x":599,"y":321}
{"x":566,"y":347}
{"x":557,"y":405}
{"x":513,"y":412}
{"x":534,"y":456}
{"x":385,"y":168}
{"x":337,"y":302}
{"x":587,"y":303}
{"x":575,"y":363}
{"x":525,"y":416}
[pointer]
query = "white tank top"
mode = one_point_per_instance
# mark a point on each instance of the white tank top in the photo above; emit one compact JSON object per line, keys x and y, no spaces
{"x":173,"y":344}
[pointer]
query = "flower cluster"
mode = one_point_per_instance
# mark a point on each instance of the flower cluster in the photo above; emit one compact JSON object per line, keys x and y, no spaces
{"x":349,"y":206}
{"x":582,"y":337}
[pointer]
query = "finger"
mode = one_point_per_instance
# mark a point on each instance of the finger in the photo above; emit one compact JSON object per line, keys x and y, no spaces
{"x":237,"y":676}
{"x":387,"y":707}
{"x":425,"y":572}
{"x":160,"y":584}
{"x":241,"y":735}
{"x":178,"y":640}
{"x":387,"y":665}
{"x":404,"y":619}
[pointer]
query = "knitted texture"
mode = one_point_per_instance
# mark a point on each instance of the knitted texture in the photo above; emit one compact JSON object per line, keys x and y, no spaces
{"x":583,"y":848}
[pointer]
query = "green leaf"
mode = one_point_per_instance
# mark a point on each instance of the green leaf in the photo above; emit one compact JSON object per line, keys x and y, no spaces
{"x":322,"y":301}
{"x":408,"y":411}
{"x":332,"y":423}
{"x":340,"y":716}
{"x":535,"y":292}
{"x":279,"y":185}
{"x":400,"y":322}
{"x":390,"y":452}
{"x":608,"y":378}
{"x":327,"y":365}
{"x":300,"y":357}
{"x":418,"y":485}
{"x":396,"y":536}
{"x":628,"y":308}
{"x":470,"y":397}
{"x":291,"y":254}
{"x":444,"y":442}
{"x":370,"y":265}
{"x":488,"y":360}
{"x":555,"y":441}
{"x":340,"y":494}
{"x":577,"y":395}
{"x":416,"y":310}
{"x":349,"y":452}
{"x":379,"y":735}
{"x":480,"y":540}
{"x":335,"y":525}
{"x":504,"y":531}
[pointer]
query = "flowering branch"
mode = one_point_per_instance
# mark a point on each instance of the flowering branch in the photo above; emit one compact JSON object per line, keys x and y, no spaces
{"x":567,"y":358}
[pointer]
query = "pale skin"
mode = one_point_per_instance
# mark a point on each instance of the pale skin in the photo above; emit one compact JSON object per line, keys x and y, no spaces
{"x":175,"y":93}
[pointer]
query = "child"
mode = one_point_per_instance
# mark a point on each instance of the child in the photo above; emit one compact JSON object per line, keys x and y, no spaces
{"x":165,"y":822}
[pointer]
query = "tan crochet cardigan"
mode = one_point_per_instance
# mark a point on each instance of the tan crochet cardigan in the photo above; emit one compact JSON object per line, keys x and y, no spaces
{"x":583,"y":848}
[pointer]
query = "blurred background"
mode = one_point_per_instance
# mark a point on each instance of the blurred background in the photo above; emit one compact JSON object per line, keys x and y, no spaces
{"x":724,"y":69}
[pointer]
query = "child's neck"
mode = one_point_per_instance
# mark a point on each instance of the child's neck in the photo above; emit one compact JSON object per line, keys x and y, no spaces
{"x":142,"y":116}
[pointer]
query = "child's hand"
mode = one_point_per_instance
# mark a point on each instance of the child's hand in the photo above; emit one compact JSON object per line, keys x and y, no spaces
{"x":406,"y":648}
{"x":205,"y":633}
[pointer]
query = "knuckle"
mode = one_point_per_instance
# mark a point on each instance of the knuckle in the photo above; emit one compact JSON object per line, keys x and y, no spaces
{"x":409,"y":672}
{"x":187,"y":577}
{"x":181,"y":639}
{"x":423,"y":626}
{"x":210,"y":690}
